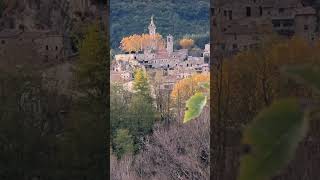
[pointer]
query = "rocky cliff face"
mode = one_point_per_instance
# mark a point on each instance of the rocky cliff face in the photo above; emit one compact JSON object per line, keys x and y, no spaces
{"x":55,"y":15}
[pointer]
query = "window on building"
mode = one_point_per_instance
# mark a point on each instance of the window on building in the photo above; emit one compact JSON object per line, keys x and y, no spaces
{"x":281,"y":10}
{"x":47,"y":47}
{"x":11,"y":24}
{"x":225,"y":12}
{"x":248,"y":11}
{"x":256,"y":38}
{"x":260,"y":11}
{"x":276,"y":23}
{"x":223,"y":46}
{"x":3,"y":41}
{"x":306,"y":27}
{"x":235,"y":46}
{"x":235,"y":37}
{"x":212,"y":11}
{"x":230,"y":15}
{"x":56,"y":48}
{"x":288,"y":23}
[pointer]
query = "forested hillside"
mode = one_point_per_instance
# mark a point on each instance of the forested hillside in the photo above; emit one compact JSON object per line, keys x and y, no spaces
{"x":176,"y":17}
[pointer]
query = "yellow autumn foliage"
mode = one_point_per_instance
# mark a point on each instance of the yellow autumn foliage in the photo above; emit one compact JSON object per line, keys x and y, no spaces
{"x":185,"y":88}
{"x":137,"y":42}
{"x":186,"y":43}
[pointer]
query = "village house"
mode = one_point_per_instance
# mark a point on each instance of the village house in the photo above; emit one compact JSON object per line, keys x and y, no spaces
{"x":49,"y":46}
{"x":121,"y":71}
{"x":241,"y":24}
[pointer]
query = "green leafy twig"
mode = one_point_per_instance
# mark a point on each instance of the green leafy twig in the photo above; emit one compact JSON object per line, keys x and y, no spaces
{"x":195,"y":106}
{"x":196,"y":103}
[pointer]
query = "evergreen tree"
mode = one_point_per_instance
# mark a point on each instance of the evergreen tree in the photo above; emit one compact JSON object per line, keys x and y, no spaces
{"x":84,"y":145}
{"x":139,"y":113}
{"x":123,"y":143}
{"x":142,"y":116}
{"x":2,"y":7}
{"x":91,"y":70}
{"x":141,"y":110}
{"x":141,"y":84}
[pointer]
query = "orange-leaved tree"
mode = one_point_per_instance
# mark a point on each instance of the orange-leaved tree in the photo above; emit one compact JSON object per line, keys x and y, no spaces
{"x":138,"y":42}
{"x":131,"y":43}
{"x":185,"y":88}
{"x":186,"y":43}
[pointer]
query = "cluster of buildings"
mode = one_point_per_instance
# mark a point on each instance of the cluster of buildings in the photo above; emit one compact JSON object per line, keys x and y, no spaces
{"x":241,"y":24}
{"x":49,"y":46}
{"x":173,"y":64}
{"x":21,"y":38}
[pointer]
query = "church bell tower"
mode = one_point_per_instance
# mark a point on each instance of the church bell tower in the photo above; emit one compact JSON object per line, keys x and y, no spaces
{"x":170,"y":44}
{"x":152,"y":27}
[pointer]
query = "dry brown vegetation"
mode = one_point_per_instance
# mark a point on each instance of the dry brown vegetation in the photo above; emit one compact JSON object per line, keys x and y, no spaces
{"x":177,"y":151}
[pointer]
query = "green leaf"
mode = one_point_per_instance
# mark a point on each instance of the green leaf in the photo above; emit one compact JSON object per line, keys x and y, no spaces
{"x":205,"y":85}
{"x":195,"y":106}
{"x":308,"y":74}
{"x":272,"y":139}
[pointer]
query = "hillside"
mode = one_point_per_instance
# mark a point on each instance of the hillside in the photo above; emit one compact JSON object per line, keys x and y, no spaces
{"x":176,"y":17}
{"x":54,"y":15}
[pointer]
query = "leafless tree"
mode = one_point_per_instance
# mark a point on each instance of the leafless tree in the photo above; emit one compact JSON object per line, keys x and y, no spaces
{"x":178,"y":152}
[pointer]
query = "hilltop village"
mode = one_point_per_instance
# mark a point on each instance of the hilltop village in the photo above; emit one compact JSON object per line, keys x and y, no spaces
{"x":167,"y":64}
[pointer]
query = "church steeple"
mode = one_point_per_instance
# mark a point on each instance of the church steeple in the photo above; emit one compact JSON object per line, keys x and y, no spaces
{"x":152,"y":27}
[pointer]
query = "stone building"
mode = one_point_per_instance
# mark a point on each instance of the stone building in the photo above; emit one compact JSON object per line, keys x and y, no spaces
{"x":80,"y":6}
{"x":171,"y":62}
{"x":206,"y":52}
{"x":163,"y":58}
{"x":170,"y":44}
{"x":49,"y":46}
{"x":241,"y":24}
{"x":121,"y":71}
